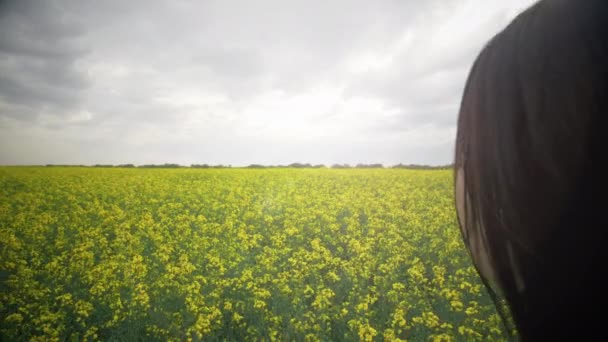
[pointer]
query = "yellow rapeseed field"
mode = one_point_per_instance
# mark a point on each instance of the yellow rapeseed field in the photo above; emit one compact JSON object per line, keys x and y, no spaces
{"x":236,"y":254}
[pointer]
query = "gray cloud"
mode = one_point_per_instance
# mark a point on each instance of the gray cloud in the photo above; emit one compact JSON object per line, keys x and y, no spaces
{"x":237,"y":82}
{"x":38,"y":59}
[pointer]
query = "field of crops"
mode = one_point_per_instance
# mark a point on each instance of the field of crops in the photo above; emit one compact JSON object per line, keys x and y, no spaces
{"x":235,"y":254}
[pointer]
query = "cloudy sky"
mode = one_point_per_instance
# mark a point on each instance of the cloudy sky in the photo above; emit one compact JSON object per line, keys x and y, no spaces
{"x":237,"y":82}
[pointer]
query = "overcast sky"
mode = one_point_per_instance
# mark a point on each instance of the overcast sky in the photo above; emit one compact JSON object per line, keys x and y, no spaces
{"x":237,"y":82}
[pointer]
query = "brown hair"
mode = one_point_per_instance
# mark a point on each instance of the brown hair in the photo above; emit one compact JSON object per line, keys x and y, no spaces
{"x":527,"y":166}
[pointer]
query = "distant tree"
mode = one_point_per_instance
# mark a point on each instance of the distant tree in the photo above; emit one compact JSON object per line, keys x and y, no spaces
{"x":200,"y":166}
{"x":422,"y":167}
{"x":340,"y":166}
{"x":318,"y":166}
{"x":103,"y":165}
{"x":64,"y":165}
{"x":299,"y":165}
{"x":369,"y":166}
{"x":256,"y":166}
{"x":126,"y":165}
{"x":160,"y":166}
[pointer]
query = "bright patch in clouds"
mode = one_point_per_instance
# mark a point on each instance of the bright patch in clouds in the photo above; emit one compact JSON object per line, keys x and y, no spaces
{"x":235,"y":82}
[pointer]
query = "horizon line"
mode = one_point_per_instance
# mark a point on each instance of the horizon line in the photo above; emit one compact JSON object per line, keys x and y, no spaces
{"x":252,"y":165}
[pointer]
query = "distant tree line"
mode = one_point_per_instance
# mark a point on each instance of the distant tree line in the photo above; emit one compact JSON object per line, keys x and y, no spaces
{"x":423,"y":167}
{"x":206,"y":166}
{"x":103,"y":165}
{"x":63,"y":165}
{"x":292,"y":165}
{"x":358,"y":166}
{"x":369,"y":166}
{"x":160,"y":166}
{"x":260,"y":166}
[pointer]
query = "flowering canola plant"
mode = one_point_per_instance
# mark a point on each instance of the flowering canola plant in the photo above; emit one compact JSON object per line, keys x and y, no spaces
{"x":236,"y":254}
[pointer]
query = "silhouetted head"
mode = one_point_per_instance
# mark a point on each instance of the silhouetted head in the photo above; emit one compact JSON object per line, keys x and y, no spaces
{"x":528,"y":169}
